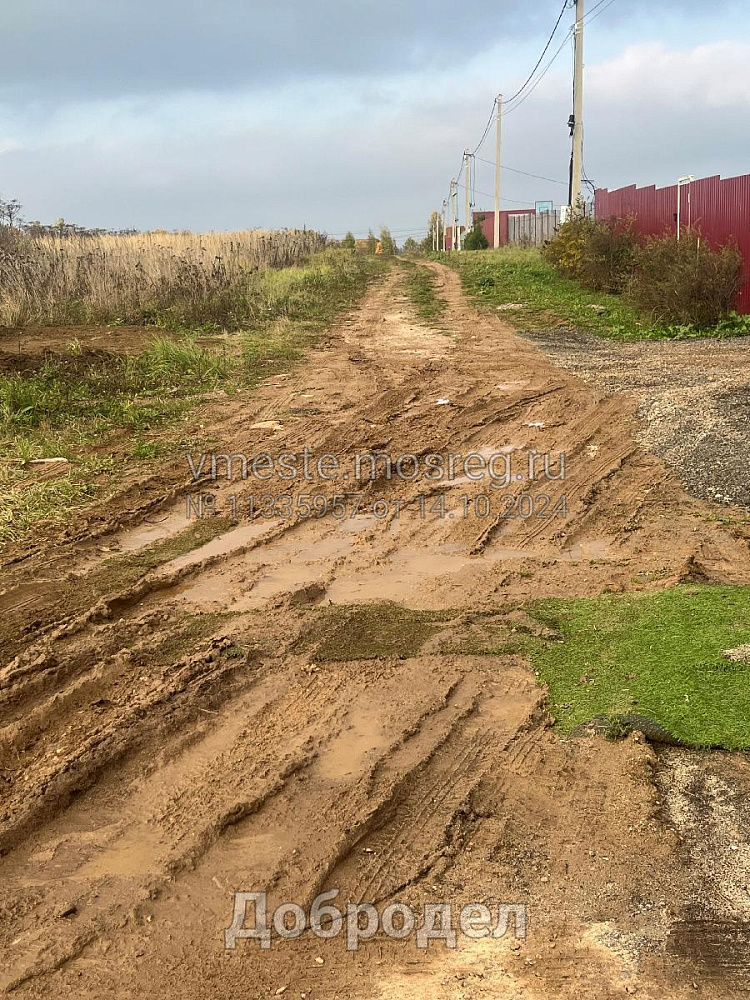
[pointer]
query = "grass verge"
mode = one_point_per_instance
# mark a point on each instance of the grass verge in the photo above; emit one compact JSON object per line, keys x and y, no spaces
{"x":658,"y":655}
{"x":419,"y":286}
{"x":547,"y":299}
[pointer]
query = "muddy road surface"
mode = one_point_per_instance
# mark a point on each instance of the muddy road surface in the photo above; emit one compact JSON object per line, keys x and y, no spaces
{"x":266,"y":701}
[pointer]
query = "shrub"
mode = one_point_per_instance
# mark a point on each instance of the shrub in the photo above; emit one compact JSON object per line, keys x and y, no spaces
{"x":609,"y":256}
{"x":566,"y":251}
{"x":600,"y":255}
{"x":475,"y":238}
{"x":686,"y":281}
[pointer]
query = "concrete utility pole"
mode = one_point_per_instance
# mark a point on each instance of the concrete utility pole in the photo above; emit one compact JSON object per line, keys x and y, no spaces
{"x":467,"y":209}
{"x":454,"y":215}
{"x":445,"y":216}
{"x":576,"y":180}
{"x":498,"y":154}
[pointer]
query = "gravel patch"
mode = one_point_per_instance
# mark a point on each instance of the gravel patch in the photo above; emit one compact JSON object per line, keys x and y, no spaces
{"x":694,"y":401}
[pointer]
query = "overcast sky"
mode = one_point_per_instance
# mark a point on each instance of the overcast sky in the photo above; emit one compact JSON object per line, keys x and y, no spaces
{"x":349,"y":114}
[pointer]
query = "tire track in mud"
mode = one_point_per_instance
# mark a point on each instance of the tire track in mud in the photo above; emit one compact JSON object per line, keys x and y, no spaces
{"x":177,"y":735}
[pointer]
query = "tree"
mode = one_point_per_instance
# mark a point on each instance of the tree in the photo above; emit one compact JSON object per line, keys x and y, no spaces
{"x":387,"y":242}
{"x":410,"y":245}
{"x":349,"y":243}
{"x":371,"y":242}
{"x":10,"y":212}
{"x":475,"y":238}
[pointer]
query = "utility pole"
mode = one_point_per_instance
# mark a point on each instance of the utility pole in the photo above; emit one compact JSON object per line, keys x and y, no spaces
{"x":445,"y":215}
{"x":454,"y":214}
{"x":576,"y":179}
{"x":498,"y":154}
{"x":467,"y":209}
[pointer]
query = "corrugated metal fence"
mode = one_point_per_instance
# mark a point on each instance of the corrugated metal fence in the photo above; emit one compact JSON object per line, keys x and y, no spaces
{"x":719,"y":208}
{"x":520,"y":227}
{"x":531,"y":230}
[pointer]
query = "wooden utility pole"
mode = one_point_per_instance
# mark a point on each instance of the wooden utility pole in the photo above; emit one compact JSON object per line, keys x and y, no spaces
{"x":576,"y":180}
{"x":498,"y":155}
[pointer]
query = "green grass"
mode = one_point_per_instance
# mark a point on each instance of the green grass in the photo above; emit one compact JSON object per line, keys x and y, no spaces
{"x":420,"y":289}
{"x":80,"y":398}
{"x":498,"y":277}
{"x":656,"y":655}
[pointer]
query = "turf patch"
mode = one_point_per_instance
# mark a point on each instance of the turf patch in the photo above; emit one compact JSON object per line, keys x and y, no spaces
{"x":658,"y":655}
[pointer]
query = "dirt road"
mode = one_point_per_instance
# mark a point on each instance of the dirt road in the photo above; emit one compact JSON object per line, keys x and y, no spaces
{"x":191,"y":711}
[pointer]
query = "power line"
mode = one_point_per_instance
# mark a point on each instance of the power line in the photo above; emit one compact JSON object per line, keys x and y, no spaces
{"x":487,"y":129}
{"x":485,"y":194}
{"x":539,"y":177}
{"x":591,"y":16}
{"x":539,"y":79}
{"x":522,"y":94}
{"x":541,"y":57}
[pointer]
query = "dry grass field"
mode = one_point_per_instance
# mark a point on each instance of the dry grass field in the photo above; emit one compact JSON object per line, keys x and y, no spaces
{"x":146,"y":277}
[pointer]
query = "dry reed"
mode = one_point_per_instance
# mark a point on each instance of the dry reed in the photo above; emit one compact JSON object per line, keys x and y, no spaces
{"x":148,"y":277}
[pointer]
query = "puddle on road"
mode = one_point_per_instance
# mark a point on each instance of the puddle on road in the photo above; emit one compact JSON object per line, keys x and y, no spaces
{"x":287,"y":564}
{"x":224,"y":544}
{"x":358,"y":523}
{"x":153,"y":529}
{"x":403,"y":575}
{"x":25,"y":595}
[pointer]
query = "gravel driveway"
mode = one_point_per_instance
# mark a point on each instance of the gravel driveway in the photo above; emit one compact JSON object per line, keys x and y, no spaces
{"x":694,"y":401}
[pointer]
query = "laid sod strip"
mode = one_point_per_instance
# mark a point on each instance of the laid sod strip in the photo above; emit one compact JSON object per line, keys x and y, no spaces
{"x":543,"y":299}
{"x":657,"y":655}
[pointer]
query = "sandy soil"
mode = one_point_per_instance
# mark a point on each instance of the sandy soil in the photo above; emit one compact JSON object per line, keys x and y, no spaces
{"x":244,"y":712}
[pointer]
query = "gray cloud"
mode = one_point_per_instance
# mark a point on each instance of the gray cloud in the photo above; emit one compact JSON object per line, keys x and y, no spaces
{"x":58,"y":49}
{"x":244,"y":114}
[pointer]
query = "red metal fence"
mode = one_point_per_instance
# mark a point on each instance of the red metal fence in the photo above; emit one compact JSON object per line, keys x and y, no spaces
{"x":719,"y":208}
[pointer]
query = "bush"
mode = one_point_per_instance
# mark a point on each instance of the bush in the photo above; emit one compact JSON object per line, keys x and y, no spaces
{"x":566,"y":251}
{"x":475,"y":238}
{"x":600,"y":255}
{"x":610,"y":256}
{"x":685,"y":281}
